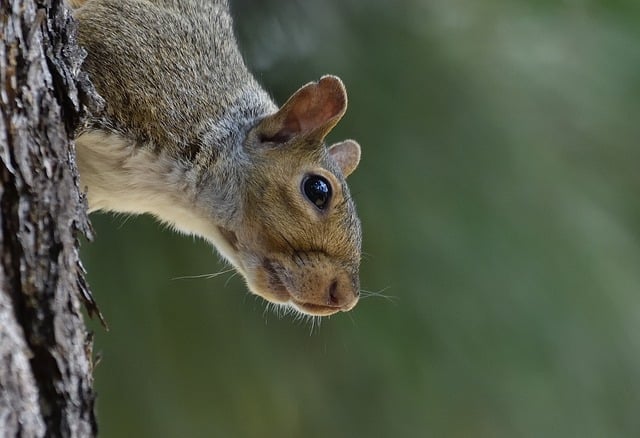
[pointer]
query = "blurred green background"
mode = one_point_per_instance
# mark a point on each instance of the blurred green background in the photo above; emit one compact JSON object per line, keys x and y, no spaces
{"x":499,"y":194}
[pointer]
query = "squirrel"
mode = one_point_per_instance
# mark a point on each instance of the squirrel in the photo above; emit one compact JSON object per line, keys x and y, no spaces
{"x":189,"y":136}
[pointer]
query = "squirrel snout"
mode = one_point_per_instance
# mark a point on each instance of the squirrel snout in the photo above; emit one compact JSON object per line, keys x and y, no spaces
{"x":315,"y":288}
{"x":323,"y":291}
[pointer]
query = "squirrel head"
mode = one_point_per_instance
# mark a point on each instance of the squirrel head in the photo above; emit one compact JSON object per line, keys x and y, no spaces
{"x":299,"y":239}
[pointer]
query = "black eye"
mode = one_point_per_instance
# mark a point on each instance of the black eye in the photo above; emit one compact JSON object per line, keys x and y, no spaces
{"x":317,"y":190}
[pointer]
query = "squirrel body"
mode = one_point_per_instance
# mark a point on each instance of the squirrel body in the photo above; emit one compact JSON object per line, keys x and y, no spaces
{"x":189,"y":136}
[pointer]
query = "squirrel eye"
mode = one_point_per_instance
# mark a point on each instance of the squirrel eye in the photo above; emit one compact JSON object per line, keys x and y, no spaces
{"x":317,"y":190}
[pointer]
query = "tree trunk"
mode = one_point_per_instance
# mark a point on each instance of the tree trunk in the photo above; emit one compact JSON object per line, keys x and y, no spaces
{"x":45,"y":349}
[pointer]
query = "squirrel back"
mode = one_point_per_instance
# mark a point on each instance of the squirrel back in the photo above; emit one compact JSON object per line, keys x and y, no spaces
{"x":188,"y":135}
{"x":168,"y":69}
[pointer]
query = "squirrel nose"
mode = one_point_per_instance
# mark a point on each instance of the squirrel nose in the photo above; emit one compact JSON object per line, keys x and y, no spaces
{"x":333,"y":300}
{"x":341,"y":294}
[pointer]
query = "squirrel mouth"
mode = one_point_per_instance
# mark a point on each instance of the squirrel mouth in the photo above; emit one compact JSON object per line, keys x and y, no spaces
{"x":280,"y":293}
{"x":315,"y":309}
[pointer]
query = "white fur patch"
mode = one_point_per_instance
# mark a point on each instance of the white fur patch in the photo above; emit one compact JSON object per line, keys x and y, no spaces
{"x":125,"y":178}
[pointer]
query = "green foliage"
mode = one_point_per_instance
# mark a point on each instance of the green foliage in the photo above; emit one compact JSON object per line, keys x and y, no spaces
{"x":499,"y":198}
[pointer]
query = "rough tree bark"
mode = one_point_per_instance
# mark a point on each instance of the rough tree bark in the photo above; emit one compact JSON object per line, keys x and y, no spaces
{"x":45,"y":348}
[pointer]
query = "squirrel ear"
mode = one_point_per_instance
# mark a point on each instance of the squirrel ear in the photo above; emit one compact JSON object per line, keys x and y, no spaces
{"x":312,"y":111}
{"x":346,"y":154}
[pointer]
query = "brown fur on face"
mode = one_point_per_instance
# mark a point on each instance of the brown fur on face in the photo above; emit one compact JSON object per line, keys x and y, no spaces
{"x":315,"y":257}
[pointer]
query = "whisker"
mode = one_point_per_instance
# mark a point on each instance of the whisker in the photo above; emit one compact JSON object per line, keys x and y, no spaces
{"x":295,"y":252}
{"x":286,"y":241}
{"x":378,"y":294}
{"x":353,"y":321}
{"x":235,"y":273}
{"x":207,"y":276}
{"x":266,"y":310}
{"x":315,"y":323}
